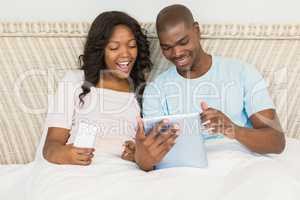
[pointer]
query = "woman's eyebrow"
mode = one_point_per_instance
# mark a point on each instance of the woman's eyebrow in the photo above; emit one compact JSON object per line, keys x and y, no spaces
{"x":115,"y":41}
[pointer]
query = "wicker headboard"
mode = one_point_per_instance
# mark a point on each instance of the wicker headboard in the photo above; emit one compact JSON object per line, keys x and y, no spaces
{"x":35,"y":55}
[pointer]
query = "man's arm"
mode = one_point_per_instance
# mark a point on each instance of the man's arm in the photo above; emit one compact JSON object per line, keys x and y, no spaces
{"x":266,"y":136}
{"x":150,"y":149}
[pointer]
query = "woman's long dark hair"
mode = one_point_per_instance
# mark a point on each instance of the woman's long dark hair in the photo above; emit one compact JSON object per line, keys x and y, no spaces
{"x":97,"y":39}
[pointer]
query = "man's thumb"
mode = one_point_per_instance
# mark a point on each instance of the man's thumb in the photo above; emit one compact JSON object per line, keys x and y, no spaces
{"x":140,"y":129}
{"x":204,"y":106}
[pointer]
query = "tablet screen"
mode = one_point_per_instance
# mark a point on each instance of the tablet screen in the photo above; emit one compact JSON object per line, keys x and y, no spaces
{"x":189,"y":122}
{"x":189,"y":150}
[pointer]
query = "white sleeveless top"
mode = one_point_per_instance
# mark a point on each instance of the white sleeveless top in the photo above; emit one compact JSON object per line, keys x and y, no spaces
{"x":113,"y":112}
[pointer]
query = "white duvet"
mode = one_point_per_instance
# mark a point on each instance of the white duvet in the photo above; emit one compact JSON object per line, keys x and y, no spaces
{"x":233,"y":173}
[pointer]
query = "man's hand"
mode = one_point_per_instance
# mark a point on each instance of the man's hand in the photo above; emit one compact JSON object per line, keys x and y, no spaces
{"x":217,"y":122}
{"x":151,"y":149}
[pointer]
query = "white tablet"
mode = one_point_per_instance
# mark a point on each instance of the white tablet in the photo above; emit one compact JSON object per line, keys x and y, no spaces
{"x":192,"y":121}
{"x":189,"y":122}
{"x":189,"y":150}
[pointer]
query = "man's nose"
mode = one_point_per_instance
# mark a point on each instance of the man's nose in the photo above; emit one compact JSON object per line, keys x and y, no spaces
{"x":177,"y":51}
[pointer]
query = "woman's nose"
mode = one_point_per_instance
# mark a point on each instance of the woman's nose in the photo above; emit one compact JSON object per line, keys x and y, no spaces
{"x":125,"y":52}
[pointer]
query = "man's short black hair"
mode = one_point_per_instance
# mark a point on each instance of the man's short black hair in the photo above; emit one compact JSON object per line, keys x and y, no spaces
{"x":172,"y":15}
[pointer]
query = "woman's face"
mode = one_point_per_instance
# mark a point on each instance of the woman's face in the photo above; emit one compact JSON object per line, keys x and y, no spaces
{"x":121,"y":52}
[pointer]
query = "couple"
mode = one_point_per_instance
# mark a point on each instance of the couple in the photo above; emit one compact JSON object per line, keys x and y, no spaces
{"x":231,"y":96}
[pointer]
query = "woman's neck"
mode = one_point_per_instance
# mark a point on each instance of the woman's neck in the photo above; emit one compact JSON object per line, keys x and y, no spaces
{"x":114,"y":83}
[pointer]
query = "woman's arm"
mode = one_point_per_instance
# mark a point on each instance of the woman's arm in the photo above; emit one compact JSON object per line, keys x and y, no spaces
{"x":57,"y":151}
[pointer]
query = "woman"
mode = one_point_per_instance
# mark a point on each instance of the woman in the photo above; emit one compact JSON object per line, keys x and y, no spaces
{"x":115,"y":59}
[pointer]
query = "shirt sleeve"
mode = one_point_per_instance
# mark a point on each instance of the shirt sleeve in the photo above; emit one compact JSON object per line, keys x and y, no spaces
{"x":153,"y":104}
{"x":256,"y":95}
{"x":61,"y":105}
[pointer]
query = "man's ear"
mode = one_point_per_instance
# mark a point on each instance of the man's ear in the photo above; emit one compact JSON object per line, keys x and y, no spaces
{"x":196,"y":28}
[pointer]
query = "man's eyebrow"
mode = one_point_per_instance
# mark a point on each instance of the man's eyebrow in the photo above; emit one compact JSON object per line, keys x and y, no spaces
{"x":184,"y":38}
{"x":176,"y":43}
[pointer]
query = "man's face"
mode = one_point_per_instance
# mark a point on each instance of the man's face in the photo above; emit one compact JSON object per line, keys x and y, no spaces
{"x":180,"y":45}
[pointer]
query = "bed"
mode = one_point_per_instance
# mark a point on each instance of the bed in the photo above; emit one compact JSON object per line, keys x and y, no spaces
{"x":34,"y":56}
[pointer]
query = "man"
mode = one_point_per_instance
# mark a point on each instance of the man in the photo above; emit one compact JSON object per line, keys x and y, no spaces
{"x":231,"y":96}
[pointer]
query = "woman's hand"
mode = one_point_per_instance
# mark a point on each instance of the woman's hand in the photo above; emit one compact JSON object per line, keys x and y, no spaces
{"x":129,"y":151}
{"x":57,"y":151}
{"x":78,"y":156}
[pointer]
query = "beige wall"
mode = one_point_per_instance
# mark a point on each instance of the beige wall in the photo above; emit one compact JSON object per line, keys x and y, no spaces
{"x":240,"y":11}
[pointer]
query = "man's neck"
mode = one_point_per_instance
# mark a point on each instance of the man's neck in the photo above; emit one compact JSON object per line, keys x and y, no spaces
{"x":200,"y":68}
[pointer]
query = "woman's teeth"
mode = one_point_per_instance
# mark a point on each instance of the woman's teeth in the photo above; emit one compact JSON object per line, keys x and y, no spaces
{"x":123,"y":64}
